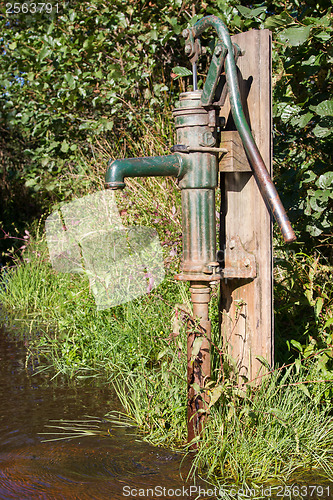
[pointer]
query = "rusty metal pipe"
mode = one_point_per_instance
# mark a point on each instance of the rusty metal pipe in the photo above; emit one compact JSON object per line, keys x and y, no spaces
{"x":198,"y":367}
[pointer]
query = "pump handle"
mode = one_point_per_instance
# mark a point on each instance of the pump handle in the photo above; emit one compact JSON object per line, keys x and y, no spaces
{"x":224,"y":55}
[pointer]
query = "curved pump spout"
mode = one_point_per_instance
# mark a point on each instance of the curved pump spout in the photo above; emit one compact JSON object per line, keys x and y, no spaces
{"x":167,"y":166}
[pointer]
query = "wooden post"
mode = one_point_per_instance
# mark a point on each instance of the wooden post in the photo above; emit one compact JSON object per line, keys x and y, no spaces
{"x":247,"y":303}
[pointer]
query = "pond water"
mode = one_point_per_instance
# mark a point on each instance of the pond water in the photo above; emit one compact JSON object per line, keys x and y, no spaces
{"x":114,"y":466}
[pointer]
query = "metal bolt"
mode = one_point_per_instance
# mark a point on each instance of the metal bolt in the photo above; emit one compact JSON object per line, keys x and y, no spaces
{"x":247,"y":262}
{"x":232,"y":244}
{"x":188,"y":48}
{"x":218,"y":50}
{"x":222,"y":121}
{"x":185,"y":33}
{"x":211,"y":268}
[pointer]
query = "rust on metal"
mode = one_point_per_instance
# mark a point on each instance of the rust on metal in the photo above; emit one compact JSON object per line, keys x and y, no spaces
{"x":194,"y":135}
{"x":238,"y":263}
{"x":198,"y":363}
{"x":225,"y":46}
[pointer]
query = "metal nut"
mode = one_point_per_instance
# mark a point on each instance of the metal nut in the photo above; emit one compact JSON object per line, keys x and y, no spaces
{"x":185,"y":33}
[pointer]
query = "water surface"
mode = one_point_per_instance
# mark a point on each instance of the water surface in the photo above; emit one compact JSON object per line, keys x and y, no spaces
{"x":118,"y":465}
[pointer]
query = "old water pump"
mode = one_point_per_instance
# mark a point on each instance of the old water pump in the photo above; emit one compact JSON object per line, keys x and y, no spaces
{"x":195,"y":162}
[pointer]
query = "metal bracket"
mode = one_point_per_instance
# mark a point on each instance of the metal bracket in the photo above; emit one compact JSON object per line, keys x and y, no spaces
{"x":238,"y":263}
{"x":182,"y":148}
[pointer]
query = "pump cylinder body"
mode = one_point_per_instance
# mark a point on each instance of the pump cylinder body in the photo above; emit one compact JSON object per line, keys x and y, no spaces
{"x":195,"y":128}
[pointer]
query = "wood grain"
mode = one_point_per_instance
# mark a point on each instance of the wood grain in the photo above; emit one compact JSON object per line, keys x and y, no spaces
{"x":247,"y":305}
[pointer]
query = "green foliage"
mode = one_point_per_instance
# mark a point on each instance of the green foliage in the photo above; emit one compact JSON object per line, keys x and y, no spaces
{"x":254,"y":434}
{"x":303,"y":308}
{"x":75,"y":76}
{"x":262,"y":435}
{"x":87,"y":73}
{"x":304,"y":120}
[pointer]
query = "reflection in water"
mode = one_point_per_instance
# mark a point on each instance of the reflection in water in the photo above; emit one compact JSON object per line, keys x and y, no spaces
{"x":90,"y":467}
{"x":114,"y":467}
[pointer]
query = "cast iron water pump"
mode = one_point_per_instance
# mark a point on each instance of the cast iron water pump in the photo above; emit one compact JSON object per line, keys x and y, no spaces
{"x":194,"y":161}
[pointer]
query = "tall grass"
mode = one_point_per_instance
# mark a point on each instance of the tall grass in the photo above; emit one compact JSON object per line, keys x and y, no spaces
{"x":276,"y":431}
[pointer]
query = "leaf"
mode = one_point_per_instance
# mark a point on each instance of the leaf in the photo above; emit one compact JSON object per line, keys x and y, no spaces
{"x":239,"y":393}
{"x":45,"y":52}
{"x":313,"y":230}
{"x":323,"y":36}
{"x":304,"y":389}
{"x":250,"y":13}
{"x":289,"y":111}
{"x":329,"y":322}
{"x":296,"y":344}
{"x":325,"y":181}
{"x":196,"y":347}
{"x":310,"y":177}
{"x":215,"y":394}
{"x":319,"y":305}
{"x":181,"y":71}
{"x":64,"y":146}
{"x":263,"y":361}
{"x":70,"y":80}
{"x":31,"y":182}
{"x":321,"y":197}
{"x":325,"y":108}
{"x":108,"y":125}
{"x":308,"y":350}
{"x":324,"y":128}
{"x":278,"y":21}
{"x":302,"y":120}
{"x":196,"y":387}
{"x":161,"y":354}
{"x":295,"y":36}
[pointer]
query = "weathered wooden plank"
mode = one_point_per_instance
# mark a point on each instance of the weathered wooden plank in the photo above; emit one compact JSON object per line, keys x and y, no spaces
{"x":235,"y":160}
{"x":247,"y":304}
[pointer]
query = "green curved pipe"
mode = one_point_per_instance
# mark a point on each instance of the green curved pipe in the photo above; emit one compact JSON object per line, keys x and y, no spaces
{"x":168,"y":165}
{"x":263,"y":178}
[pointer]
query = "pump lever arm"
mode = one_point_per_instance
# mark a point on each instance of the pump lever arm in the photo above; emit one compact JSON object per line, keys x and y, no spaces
{"x":224,"y":54}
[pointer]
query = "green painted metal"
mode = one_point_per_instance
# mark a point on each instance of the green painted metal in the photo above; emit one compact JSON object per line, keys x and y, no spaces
{"x":193,"y":128}
{"x":261,"y":174}
{"x":197,"y":172}
{"x":199,"y":231}
{"x":169,"y":165}
{"x":214,"y":72}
